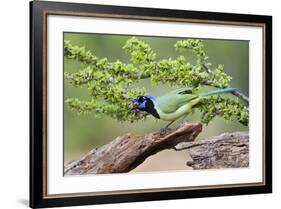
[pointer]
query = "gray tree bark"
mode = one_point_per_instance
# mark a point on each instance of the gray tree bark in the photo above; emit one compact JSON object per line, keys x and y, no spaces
{"x":229,"y":150}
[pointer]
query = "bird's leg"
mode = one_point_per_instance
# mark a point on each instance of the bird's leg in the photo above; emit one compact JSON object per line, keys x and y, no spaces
{"x":166,"y":127}
{"x":182,"y":121}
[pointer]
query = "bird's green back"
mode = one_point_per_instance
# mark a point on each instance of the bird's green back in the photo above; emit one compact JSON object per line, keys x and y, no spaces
{"x":173,"y":100}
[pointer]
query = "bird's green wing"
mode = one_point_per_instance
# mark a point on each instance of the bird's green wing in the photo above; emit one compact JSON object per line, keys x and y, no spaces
{"x":173,"y":100}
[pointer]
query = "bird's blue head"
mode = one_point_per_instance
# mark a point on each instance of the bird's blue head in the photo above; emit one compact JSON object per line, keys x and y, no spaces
{"x":143,"y":102}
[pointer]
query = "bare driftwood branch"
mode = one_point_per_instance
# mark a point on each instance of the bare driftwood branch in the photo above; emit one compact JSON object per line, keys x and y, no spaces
{"x":126,"y":152}
{"x":229,"y":150}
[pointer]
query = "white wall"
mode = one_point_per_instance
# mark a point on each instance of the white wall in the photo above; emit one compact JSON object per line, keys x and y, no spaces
{"x":14,"y":103}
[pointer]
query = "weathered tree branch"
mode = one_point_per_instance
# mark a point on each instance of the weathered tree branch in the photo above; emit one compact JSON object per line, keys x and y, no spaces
{"x":241,"y":96}
{"x":229,"y":150}
{"x":126,"y":152}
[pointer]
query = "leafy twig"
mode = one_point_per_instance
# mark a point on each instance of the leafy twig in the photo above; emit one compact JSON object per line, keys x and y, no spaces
{"x":110,"y":83}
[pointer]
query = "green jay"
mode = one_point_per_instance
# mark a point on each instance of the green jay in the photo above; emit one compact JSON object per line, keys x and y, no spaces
{"x":173,"y":105}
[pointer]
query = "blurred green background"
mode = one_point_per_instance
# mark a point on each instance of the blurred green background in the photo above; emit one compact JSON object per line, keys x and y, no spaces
{"x":85,"y":132}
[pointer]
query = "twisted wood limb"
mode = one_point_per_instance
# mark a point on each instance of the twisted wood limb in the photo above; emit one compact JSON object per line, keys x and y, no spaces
{"x":126,"y":152}
{"x":228,"y":150}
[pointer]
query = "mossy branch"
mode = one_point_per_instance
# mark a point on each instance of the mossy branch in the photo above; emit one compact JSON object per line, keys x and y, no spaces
{"x":112,"y":83}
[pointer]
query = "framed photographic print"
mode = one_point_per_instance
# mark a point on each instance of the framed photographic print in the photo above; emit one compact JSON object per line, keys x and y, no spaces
{"x":140,"y":104}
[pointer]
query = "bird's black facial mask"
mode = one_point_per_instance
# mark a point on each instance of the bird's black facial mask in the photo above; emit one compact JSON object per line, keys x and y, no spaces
{"x":145,"y":103}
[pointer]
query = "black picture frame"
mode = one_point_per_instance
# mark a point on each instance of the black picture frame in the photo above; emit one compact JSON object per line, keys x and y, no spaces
{"x":38,"y":87}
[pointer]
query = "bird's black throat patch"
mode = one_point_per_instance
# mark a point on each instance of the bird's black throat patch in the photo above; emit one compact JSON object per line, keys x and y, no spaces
{"x":149,"y":108}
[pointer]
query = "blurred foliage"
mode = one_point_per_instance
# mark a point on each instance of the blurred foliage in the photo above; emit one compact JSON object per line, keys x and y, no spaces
{"x":224,"y":107}
{"x":112,"y":81}
{"x":105,"y":78}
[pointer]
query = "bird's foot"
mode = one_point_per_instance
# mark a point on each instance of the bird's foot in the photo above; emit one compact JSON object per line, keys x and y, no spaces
{"x":164,"y":130}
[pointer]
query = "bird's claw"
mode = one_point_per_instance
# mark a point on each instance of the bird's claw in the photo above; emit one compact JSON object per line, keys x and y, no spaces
{"x":164,"y":130}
